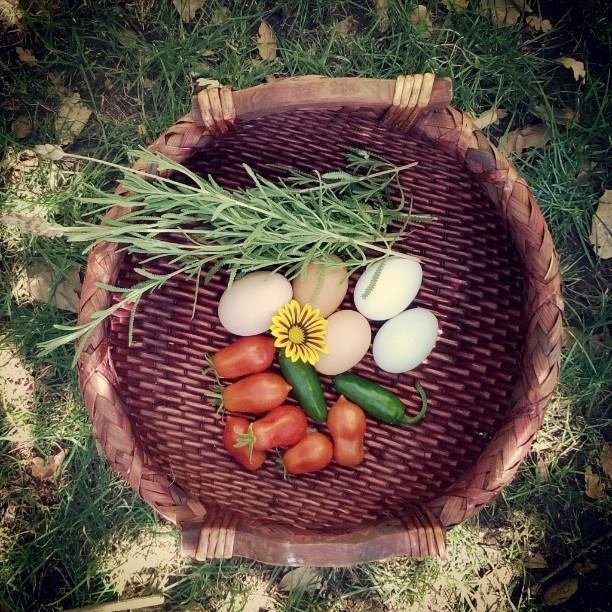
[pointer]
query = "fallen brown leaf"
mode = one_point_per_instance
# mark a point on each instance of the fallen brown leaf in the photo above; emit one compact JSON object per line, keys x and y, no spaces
{"x":40,"y":283}
{"x":346,"y":27}
{"x":601,"y":228}
{"x":306,"y":579}
{"x":22,"y":127}
{"x":575,"y":66}
{"x":504,"y":13}
{"x":10,"y":13}
{"x":528,"y":137}
{"x":421,"y":20}
{"x":593,"y":486}
{"x":71,"y":118}
{"x":26,"y":56}
{"x":456,"y":5}
{"x":606,"y":459}
{"x":489,"y":117}
{"x":187,"y":8}
{"x":147,"y":84}
{"x":560,"y":592}
{"x":542,"y":474}
{"x":204,"y":83}
{"x":535,"y":561}
{"x":537,"y":24}
{"x":49,"y":151}
{"x":382,"y":14}
{"x":46,"y":469}
{"x":220,"y":15}
{"x":266,"y":41}
{"x":33,"y":225}
{"x":584,"y":568}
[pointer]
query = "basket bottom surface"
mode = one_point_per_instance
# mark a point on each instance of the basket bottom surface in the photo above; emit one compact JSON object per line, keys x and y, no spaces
{"x":471,"y":281}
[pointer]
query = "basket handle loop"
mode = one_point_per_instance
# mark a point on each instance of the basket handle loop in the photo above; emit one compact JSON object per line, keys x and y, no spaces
{"x":411,"y":98}
{"x":212,"y":107}
{"x":415,"y":531}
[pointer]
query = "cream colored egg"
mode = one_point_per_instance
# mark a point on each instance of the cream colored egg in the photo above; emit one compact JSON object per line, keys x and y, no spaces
{"x":322,"y":287}
{"x":247,"y":307}
{"x":396,"y":286}
{"x":405,"y":341}
{"x":348,"y":339}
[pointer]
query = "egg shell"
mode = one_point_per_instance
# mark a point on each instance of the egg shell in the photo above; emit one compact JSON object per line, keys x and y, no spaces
{"x":247,"y":307}
{"x":321,"y":286}
{"x":399,"y":282}
{"x":348,"y":339}
{"x":405,"y":341}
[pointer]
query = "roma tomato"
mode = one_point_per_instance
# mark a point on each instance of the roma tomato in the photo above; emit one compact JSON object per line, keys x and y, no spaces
{"x":283,"y":426}
{"x":248,"y":355}
{"x":312,"y":453}
{"x":234,"y":427}
{"x":256,"y":393}
{"x":347,"y":424}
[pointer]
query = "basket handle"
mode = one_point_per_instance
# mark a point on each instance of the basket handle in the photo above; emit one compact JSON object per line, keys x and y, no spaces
{"x":402,"y":101}
{"x":417,"y":533}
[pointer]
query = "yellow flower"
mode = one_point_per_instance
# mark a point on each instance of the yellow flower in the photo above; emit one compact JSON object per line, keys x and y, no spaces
{"x":300,"y":331}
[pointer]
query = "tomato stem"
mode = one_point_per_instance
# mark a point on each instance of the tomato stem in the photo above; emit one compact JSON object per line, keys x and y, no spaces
{"x":246,"y":439}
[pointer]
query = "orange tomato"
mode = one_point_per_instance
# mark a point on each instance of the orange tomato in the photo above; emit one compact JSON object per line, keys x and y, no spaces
{"x":312,"y":453}
{"x":347,"y":424}
{"x":234,"y":427}
{"x":248,"y":355}
{"x":256,"y":393}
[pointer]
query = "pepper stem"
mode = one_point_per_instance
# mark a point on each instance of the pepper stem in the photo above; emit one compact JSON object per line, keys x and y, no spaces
{"x":413,"y":420}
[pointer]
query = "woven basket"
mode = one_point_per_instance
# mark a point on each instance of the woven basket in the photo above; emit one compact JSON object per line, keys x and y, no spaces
{"x":490,"y":275}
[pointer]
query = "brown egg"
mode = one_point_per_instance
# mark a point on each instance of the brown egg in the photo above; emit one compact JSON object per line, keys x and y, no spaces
{"x":322,"y":287}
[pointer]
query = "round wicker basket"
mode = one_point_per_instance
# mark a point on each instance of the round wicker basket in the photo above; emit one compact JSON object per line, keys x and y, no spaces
{"x":490,"y":275}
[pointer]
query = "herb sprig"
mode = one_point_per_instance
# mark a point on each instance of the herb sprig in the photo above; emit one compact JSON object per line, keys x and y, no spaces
{"x":199,"y":227}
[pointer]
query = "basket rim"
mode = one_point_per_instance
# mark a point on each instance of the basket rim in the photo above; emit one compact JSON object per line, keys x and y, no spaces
{"x":418,"y":530}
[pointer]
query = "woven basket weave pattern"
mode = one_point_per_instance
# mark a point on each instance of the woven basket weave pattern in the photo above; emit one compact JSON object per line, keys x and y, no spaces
{"x":488,"y":379}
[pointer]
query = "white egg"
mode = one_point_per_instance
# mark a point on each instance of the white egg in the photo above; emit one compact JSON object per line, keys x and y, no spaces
{"x":406,"y":340}
{"x":348,"y":340}
{"x":398,"y":283}
{"x":247,"y":307}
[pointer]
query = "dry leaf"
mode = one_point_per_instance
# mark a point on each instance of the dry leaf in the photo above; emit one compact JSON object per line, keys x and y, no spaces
{"x":346,"y":27}
{"x":560,"y":592}
{"x":220,"y":15}
{"x":187,"y":8}
{"x":456,"y":5}
{"x":40,"y":283}
{"x":493,"y":115}
{"x":49,"y":151}
{"x":593,"y":486}
{"x":606,"y":459}
{"x":22,"y":127}
{"x":382,"y":14}
{"x":528,"y":137}
{"x":10,"y":13}
{"x":421,"y":20}
{"x":504,"y":13}
{"x":147,"y":84}
{"x":266,"y":41}
{"x":71,"y":118}
{"x":542,"y":474}
{"x":601,"y":228}
{"x":574,"y":65}
{"x":535,"y":561}
{"x":584,"y":568}
{"x":26,"y":56}
{"x":537,"y":24}
{"x":306,"y":579}
{"x":46,"y":469}
{"x":204,"y":83}
{"x":33,"y":225}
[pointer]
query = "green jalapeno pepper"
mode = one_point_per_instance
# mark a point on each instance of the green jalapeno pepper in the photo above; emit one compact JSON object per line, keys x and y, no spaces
{"x":377,"y":401}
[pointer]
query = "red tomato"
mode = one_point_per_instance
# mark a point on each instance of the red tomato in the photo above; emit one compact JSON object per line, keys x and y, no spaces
{"x":256,"y":393}
{"x":234,"y":427}
{"x":347,"y":424}
{"x":248,"y":355}
{"x":282,"y":426}
{"x":312,"y":453}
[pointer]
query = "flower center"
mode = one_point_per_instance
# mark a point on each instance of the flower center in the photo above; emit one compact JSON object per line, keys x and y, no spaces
{"x":296,"y":334}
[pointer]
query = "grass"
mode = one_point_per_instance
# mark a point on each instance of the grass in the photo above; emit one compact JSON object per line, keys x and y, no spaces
{"x":83,"y":537}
